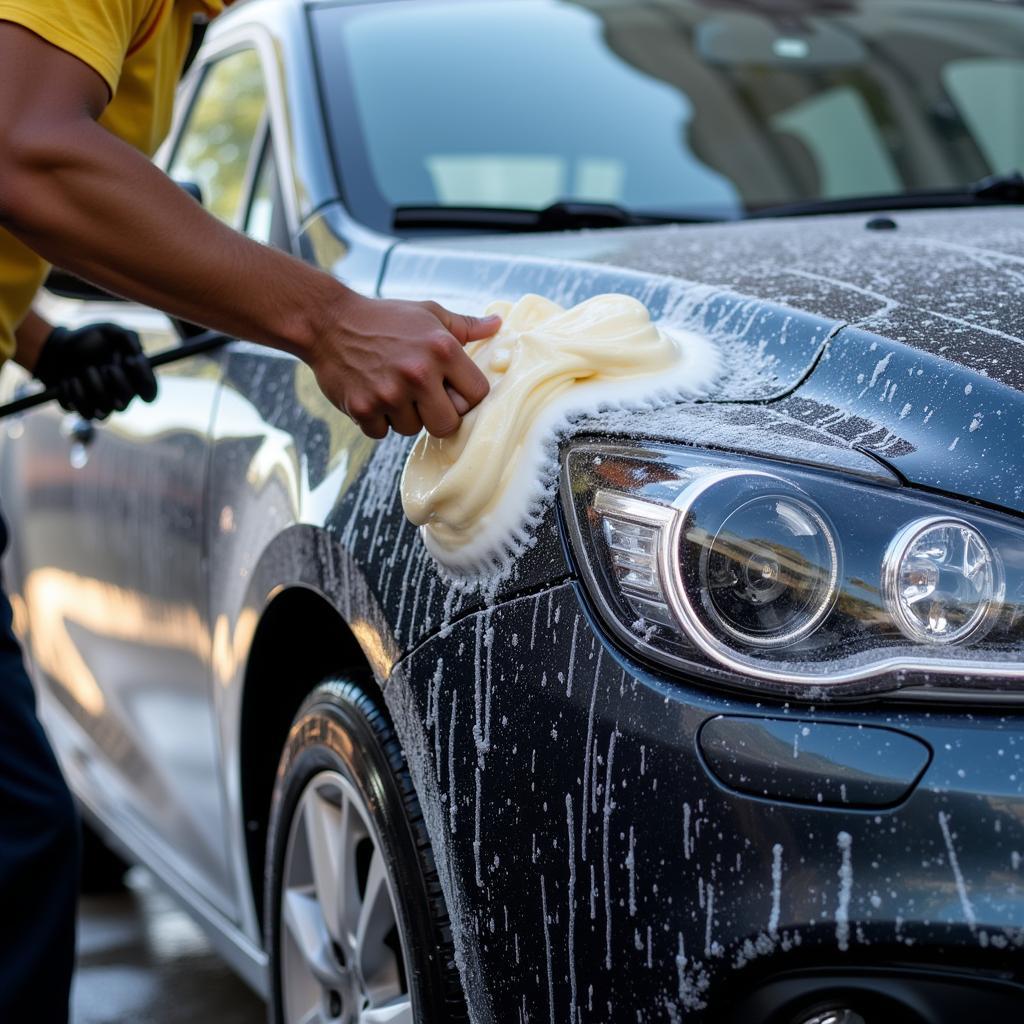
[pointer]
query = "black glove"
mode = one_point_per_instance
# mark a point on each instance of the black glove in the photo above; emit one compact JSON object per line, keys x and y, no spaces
{"x":97,"y":369}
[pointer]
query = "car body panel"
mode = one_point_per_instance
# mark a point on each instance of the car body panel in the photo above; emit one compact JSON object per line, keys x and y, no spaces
{"x":587,"y":843}
{"x":114,"y":589}
{"x":579,"y":833}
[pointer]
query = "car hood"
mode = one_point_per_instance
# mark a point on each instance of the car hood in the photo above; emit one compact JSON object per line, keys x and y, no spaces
{"x":949,"y":283}
{"x":900,"y":343}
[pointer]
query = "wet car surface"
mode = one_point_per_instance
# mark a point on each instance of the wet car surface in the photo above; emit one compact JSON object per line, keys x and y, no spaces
{"x":646,"y":828}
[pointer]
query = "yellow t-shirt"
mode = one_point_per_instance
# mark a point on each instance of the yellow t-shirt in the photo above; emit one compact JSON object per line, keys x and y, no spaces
{"x":138,"y":47}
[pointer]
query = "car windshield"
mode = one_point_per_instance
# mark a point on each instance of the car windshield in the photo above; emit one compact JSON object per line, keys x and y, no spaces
{"x":694,"y":108}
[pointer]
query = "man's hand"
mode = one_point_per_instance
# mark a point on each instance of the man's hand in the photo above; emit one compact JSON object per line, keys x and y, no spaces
{"x":97,"y":369}
{"x":401,"y":365}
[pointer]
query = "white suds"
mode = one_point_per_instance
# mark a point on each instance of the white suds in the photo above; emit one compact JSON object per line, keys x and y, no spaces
{"x":484,"y":639}
{"x":845,"y":842}
{"x":451,"y":764}
{"x":572,"y":656}
{"x":433,"y":696}
{"x":609,"y":804}
{"x":570,"y":829}
{"x":773,"y":917}
{"x":958,"y":875}
{"x":880,"y":367}
{"x":476,"y":833}
{"x":693,"y":982}
{"x":681,"y":965}
{"x":631,"y":867}
{"x":586,"y":763}
{"x":709,"y":947}
{"x":547,"y":948}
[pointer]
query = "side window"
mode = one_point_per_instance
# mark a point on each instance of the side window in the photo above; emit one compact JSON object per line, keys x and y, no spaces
{"x":216,"y":144}
{"x":265,"y":220}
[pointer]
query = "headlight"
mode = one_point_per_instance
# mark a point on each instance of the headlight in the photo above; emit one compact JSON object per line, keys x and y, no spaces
{"x":761,"y":574}
{"x":757,"y":561}
{"x":940,"y":579}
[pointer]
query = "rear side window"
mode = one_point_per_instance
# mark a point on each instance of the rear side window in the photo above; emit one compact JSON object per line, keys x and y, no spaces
{"x":216,"y":145}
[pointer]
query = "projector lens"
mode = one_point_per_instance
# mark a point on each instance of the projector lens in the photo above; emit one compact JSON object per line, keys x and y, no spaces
{"x":769,"y":574}
{"x":758,"y":563}
{"x":941,"y":580}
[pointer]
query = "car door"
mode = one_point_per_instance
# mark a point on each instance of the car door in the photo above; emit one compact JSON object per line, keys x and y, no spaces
{"x":112,"y":548}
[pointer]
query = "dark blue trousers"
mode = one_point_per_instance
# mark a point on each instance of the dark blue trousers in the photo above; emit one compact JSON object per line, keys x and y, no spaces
{"x":39,"y":849}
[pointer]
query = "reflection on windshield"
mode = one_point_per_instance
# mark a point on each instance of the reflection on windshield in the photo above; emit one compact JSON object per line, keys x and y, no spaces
{"x":691,"y":106}
{"x":518,"y":104}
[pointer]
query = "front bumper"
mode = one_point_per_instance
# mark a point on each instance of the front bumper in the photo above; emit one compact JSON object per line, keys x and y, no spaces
{"x":597,"y":870}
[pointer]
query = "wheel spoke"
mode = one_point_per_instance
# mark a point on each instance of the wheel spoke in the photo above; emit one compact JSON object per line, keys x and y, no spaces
{"x":397,"y":1012}
{"x":350,"y":904}
{"x":314,"y":1016}
{"x":304,"y":919}
{"x":302,"y":916}
{"x":377,"y":966}
{"x":302,"y":992}
{"x":324,"y":836}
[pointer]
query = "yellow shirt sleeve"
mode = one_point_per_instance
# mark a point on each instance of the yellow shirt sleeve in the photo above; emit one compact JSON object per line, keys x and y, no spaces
{"x":22,"y":273}
{"x":100,"y":33}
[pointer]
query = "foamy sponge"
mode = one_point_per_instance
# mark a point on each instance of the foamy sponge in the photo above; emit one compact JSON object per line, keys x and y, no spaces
{"x":476,"y":494}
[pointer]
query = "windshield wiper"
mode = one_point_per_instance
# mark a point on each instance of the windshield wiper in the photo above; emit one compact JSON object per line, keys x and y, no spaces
{"x":995,"y":190}
{"x":561,"y":216}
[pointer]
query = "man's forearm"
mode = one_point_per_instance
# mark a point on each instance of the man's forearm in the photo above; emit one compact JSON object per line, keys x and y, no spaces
{"x":86,"y":201}
{"x":31,"y":337}
{"x":104,"y":195}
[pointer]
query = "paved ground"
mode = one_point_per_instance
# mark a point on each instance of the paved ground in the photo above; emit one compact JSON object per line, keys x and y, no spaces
{"x":141,"y":960}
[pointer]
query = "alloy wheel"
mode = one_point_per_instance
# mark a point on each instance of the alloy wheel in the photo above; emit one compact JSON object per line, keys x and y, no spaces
{"x":342,"y":953}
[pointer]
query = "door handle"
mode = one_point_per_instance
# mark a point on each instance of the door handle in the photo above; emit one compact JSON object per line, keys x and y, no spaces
{"x":78,"y":430}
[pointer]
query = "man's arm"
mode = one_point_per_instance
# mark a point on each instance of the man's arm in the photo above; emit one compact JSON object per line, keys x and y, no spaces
{"x":90,"y":203}
{"x":31,"y":337}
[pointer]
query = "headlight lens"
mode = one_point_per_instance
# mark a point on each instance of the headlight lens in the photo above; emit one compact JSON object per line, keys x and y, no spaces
{"x":783,"y":578}
{"x":762,"y":562}
{"x":941,"y":580}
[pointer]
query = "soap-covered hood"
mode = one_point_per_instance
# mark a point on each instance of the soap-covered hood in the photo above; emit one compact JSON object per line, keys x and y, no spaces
{"x":899,"y":335}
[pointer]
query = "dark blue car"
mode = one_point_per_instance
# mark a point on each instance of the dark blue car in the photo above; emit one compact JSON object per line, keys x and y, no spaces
{"x":737,"y":736}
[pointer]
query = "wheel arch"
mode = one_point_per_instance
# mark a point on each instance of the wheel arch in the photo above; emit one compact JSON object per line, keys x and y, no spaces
{"x":313,"y":627}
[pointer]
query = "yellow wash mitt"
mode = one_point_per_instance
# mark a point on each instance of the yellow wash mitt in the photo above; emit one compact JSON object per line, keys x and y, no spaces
{"x":475,"y":493}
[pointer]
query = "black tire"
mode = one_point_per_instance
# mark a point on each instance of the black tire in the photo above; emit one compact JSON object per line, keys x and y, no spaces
{"x":341,"y":728}
{"x":102,"y":870}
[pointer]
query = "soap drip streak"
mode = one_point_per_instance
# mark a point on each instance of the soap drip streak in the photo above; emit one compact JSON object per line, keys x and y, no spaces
{"x":586,"y":758}
{"x":609,"y":805}
{"x":570,"y":829}
{"x":547,"y":948}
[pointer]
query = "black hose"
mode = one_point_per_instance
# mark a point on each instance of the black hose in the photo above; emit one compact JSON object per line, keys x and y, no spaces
{"x":203,"y":343}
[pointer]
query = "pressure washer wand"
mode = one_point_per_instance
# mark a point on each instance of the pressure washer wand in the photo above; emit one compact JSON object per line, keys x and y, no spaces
{"x":203,"y":343}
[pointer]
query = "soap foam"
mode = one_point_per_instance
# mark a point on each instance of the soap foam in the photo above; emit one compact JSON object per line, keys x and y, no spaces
{"x":478,"y":495}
